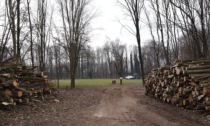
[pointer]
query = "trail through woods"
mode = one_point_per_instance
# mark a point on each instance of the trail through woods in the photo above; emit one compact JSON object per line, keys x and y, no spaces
{"x":128,"y":106}
{"x":104,"y":106}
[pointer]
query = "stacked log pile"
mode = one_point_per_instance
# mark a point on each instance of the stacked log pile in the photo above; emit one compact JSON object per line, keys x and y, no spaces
{"x":185,"y":83}
{"x":19,"y":84}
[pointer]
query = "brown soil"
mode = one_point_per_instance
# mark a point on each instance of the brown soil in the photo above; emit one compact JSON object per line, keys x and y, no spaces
{"x":103,"y":106}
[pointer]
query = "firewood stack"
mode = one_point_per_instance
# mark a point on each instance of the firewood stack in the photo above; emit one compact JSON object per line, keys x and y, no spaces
{"x":185,"y":83}
{"x":19,"y":84}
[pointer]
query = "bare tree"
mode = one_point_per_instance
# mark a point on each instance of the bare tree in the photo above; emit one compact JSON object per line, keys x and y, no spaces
{"x":156,"y":7}
{"x":195,"y":16}
{"x":131,"y":63}
{"x":89,"y":55}
{"x":41,"y":31}
{"x":134,"y":9}
{"x":5,"y":33}
{"x":118,"y":52}
{"x":108,"y":52}
{"x":14,"y":17}
{"x":31,"y":32}
{"x":18,"y":30}
{"x":11,"y":13}
{"x":155,"y":44}
{"x":76,"y":19}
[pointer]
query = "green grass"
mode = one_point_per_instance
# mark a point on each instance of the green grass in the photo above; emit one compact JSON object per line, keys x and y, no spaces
{"x":95,"y":82}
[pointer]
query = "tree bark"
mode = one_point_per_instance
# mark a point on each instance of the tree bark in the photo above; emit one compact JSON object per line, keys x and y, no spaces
{"x":18,"y":31}
{"x":11,"y":16}
{"x":138,"y":39}
{"x":31,"y":33}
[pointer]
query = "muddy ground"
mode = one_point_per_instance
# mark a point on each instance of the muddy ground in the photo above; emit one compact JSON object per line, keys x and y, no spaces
{"x":103,"y":106}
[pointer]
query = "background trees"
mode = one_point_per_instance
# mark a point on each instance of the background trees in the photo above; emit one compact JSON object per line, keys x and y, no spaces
{"x":118,"y":52}
{"x":183,"y":27}
{"x":56,"y":40}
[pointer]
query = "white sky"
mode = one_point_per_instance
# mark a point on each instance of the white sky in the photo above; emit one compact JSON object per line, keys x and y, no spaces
{"x":107,"y":25}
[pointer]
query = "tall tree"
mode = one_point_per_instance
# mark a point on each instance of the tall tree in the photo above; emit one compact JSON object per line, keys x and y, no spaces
{"x":5,"y":36}
{"x":18,"y":30}
{"x":118,"y":51}
{"x":155,"y":45}
{"x":11,"y":13}
{"x":195,"y":24}
{"x":14,"y":17}
{"x":131,"y":63}
{"x":134,"y":9}
{"x":41,"y":31}
{"x":107,"y":51}
{"x":76,"y":18}
{"x":31,"y":33}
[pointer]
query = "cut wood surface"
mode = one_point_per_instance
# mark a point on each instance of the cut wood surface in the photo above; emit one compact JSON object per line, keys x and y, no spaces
{"x":19,"y":84}
{"x":188,"y":84}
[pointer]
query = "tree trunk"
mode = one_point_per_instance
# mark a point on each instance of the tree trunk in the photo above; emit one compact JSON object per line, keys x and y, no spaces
{"x":11,"y":16}
{"x":73,"y":64}
{"x":31,"y":34}
{"x":72,"y":80}
{"x":18,"y":31}
{"x":139,"y":49}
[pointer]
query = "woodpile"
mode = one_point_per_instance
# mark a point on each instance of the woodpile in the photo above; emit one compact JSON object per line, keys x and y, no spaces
{"x":19,"y":84}
{"x":185,"y":83}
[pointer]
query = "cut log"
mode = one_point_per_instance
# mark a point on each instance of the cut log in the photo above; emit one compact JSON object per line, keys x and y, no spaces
{"x":7,"y":93}
{"x":185,"y":83}
{"x":168,"y":99}
{"x":198,"y":67}
{"x":207,"y":98}
{"x":186,"y":102}
{"x":19,"y":94}
{"x":204,"y":84}
{"x":207,"y":103}
{"x":206,"y":91}
{"x":6,"y":103}
{"x":190,"y":98}
{"x":11,"y":83}
{"x":19,"y":84}
{"x":193,"y":83}
{"x":200,"y":97}
{"x":187,"y":90}
{"x":8,"y":75}
{"x":197,"y":71}
{"x":181,"y":89}
{"x":200,"y":61}
{"x":178,"y":70}
{"x":205,"y":81}
{"x":207,"y":108}
{"x":203,"y":77}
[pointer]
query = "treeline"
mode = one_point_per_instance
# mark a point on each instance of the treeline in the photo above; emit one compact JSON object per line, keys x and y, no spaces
{"x":112,"y":60}
{"x":179,"y":30}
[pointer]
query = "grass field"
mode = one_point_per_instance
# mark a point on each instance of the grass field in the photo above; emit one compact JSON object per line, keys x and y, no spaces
{"x":96,"y":82}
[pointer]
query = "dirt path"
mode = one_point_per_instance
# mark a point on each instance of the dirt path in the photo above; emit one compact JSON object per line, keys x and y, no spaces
{"x":103,"y":106}
{"x":128,"y":106}
{"x":116,"y":107}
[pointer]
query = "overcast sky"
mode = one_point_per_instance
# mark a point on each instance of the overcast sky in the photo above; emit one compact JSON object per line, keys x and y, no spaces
{"x":107,"y":25}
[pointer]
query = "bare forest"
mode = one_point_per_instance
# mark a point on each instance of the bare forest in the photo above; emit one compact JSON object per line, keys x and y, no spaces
{"x":44,"y":40}
{"x":55,"y":35}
